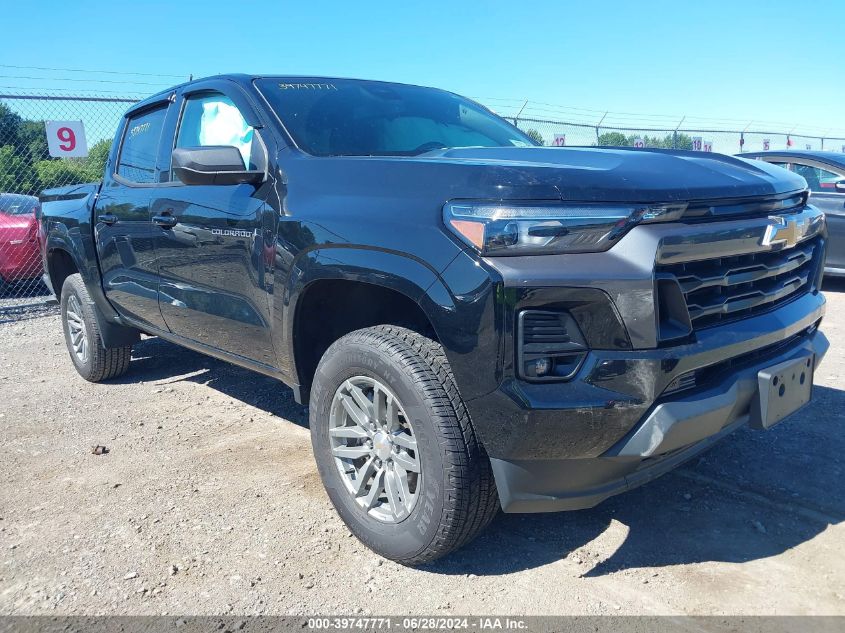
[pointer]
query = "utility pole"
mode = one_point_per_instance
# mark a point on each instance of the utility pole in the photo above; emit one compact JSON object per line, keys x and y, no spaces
{"x":598,"y":125}
{"x":516,"y":118}
{"x":742,"y":136}
{"x":675,"y":133}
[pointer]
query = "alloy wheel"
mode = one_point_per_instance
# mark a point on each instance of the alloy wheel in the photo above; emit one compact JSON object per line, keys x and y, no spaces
{"x":375,"y":449}
{"x":76,"y":329}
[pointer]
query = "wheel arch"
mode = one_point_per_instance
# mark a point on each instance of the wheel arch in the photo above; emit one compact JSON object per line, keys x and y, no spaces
{"x":65,"y":256}
{"x":335,"y":291}
{"x":60,"y":265}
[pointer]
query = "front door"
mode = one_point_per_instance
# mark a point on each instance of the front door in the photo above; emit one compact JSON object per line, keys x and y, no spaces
{"x":124,"y":233}
{"x":213,"y":286}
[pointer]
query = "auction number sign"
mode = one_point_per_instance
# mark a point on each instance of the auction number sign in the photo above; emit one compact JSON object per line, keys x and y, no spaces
{"x":66,"y":139}
{"x":639,"y":143}
{"x":560,"y":140}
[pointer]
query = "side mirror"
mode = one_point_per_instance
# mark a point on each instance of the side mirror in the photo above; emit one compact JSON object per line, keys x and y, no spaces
{"x":213,"y":165}
{"x":839,"y":185}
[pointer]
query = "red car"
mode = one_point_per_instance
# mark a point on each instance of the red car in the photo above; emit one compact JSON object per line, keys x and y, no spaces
{"x":20,"y":259}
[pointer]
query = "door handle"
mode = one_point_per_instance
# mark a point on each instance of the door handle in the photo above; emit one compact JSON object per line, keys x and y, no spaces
{"x":107,"y":218}
{"x":165,"y":220}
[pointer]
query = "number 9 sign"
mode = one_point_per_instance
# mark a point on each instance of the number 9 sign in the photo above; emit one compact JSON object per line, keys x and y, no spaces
{"x":66,"y":139}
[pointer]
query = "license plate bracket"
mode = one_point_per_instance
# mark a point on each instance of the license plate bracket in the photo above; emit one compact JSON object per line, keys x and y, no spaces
{"x":783,"y":389}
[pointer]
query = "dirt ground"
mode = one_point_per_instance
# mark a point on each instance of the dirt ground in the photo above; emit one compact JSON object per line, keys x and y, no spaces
{"x":208,"y":502}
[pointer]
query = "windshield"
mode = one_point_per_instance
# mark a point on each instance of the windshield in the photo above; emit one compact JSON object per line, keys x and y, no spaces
{"x":344,"y":117}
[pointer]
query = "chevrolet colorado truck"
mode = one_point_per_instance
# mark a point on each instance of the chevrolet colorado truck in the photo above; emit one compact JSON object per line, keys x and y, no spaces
{"x":474,"y":321}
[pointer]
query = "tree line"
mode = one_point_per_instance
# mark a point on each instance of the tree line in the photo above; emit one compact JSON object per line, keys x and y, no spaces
{"x":26,"y":166}
{"x":618,"y":139}
{"x":669,"y":141}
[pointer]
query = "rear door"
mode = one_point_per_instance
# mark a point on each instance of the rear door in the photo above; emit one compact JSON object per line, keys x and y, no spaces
{"x":214,"y":283}
{"x":124,"y":233}
{"x":821,"y":178}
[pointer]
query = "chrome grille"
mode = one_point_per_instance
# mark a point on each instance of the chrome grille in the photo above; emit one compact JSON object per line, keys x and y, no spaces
{"x":730,"y":288}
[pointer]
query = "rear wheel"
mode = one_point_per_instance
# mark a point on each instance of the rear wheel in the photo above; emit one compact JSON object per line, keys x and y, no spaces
{"x":395,"y":447}
{"x":92,"y":359}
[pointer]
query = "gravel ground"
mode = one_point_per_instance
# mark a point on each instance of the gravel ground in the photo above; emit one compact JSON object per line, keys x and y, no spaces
{"x":208,"y":502}
{"x":17,"y":308}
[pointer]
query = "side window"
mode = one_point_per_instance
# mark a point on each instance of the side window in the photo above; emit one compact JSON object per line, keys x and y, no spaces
{"x":820,"y":180}
{"x":215,"y":120}
{"x":137,"y":161}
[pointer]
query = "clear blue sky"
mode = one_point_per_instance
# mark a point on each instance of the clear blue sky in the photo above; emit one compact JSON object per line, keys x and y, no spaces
{"x":778,"y":61}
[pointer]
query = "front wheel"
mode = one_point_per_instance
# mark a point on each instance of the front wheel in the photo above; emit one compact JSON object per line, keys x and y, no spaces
{"x":395,"y":447}
{"x":92,"y":359}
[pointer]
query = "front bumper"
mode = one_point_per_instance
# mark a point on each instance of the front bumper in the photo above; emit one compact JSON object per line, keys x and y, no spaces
{"x":673,"y":432}
{"x":570,"y":445}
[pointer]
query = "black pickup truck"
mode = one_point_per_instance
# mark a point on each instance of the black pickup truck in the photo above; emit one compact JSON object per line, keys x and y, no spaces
{"x":475,"y":322}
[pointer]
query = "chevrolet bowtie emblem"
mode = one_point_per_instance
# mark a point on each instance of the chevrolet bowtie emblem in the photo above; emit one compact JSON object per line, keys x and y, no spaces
{"x":783,"y":232}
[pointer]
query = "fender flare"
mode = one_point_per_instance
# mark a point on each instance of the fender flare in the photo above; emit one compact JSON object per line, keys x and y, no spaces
{"x":388,"y":269}
{"x":59,"y":238}
{"x":463,"y":320}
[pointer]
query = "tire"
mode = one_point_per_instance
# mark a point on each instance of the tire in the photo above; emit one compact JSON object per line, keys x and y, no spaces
{"x":98,"y":362}
{"x":455,"y":494}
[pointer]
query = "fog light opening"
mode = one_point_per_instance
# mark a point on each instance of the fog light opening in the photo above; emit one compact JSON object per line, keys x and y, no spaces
{"x":540,"y":367}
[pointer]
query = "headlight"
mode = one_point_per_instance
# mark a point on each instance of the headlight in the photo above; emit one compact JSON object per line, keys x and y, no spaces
{"x":540,"y":229}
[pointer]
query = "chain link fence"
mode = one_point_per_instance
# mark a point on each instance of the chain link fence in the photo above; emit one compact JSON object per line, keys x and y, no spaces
{"x":560,"y":133}
{"x":26,"y":167}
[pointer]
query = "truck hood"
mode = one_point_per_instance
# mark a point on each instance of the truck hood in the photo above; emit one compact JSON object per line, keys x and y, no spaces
{"x":626,"y":175}
{"x":339,"y":199}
